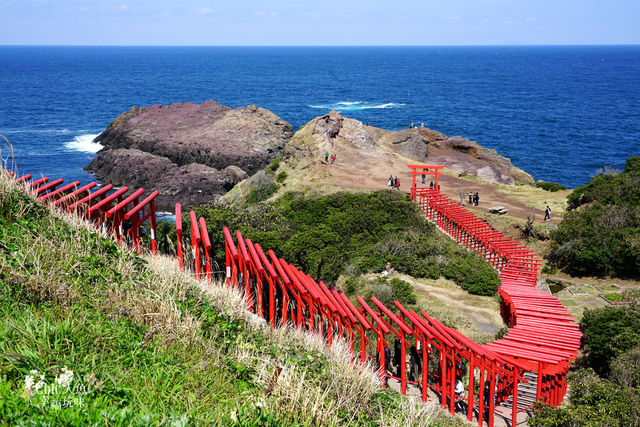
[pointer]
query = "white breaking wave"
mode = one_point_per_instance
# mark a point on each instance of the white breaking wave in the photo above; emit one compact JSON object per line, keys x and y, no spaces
{"x":356,"y":106}
{"x":84,"y":143}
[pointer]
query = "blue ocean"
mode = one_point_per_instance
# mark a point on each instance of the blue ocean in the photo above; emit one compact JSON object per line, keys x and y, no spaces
{"x":558,"y":112}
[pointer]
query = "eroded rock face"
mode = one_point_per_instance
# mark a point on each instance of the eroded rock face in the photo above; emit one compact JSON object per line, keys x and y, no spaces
{"x":355,"y":143}
{"x":191,"y":153}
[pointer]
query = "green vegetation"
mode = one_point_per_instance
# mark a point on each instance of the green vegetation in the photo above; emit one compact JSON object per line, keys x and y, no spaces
{"x":550,"y":186}
{"x":93,"y":334}
{"x":616,"y":297}
{"x":260,"y":187}
{"x":609,"y":332}
{"x":281,"y":177}
{"x":601,"y":236}
{"x":273,"y":167}
{"x":607,"y":391}
{"x":351,"y":234}
{"x":385,"y":290}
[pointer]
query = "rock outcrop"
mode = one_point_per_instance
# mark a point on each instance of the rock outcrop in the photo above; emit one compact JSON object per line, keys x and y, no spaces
{"x":191,"y":153}
{"x":364,"y":147}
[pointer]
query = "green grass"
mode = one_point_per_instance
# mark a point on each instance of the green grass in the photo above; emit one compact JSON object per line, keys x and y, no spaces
{"x":150,"y":346}
{"x":616,"y":297}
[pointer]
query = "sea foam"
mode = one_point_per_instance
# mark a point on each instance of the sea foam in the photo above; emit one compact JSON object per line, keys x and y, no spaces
{"x":356,"y":106}
{"x":84,"y":143}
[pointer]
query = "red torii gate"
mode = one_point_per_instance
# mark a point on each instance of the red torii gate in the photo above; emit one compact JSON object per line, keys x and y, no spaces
{"x":424,"y":170}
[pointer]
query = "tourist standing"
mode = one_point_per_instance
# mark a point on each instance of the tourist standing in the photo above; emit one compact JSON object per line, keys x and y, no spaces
{"x":547,"y":214}
{"x":390,"y":182}
{"x":326,"y":157}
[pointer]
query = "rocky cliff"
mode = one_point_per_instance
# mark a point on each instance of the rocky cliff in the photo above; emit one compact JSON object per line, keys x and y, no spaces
{"x":368,"y":150}
{"x":191,"y":153}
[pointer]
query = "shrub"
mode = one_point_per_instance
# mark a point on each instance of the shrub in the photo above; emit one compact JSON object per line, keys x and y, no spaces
{"x":550,"y":186}
{"x":273,"y":167}
{"x":281,"y":177}
{"x":609,"y":332}
{"x":403,"y":291}
{"x":484,"y":282}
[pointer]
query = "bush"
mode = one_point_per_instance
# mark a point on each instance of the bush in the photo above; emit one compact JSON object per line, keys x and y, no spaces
{"x":403,"y":292}
{"x":625,"y":369}
{"x":484,"y":282}
{"x":273,"y":167}
{"x":281,"y":177}
{"x":609,"y":332}
{"x":550,"y":186}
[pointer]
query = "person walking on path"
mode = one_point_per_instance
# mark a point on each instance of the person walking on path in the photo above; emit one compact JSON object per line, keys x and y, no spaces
{"x":547,"y":214}
{"x":390,"y":182}
{"x":415,"y":364}
{"x":398,"y":184}
{"x":459,"y":390}
{"x":423,"y":175}
{"x":397,"y":357}
{"x":331,"y":159}
{"x":326,"y":157}
{"x":334,"y":159}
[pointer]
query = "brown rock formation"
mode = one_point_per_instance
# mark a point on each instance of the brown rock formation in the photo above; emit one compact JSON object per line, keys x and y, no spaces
{"x":191,"y":153}
{"x":357,"y":145}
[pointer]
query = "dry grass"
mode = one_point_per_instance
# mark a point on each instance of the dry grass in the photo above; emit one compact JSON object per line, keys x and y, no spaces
{"x":347,"y":388}
{"x":537,"y":197}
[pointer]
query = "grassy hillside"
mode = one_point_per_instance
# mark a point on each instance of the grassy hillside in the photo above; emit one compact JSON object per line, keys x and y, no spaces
{"x":92,"y":334}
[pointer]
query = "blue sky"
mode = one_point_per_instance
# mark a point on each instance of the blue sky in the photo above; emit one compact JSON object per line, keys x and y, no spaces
{"x":324,"y":22}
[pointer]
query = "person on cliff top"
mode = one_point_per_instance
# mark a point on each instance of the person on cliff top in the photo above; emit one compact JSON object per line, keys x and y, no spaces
{"x":326,"y":157}
{"x":547,"y":214}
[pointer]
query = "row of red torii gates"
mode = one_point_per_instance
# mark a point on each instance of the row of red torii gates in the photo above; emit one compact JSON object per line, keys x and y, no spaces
{"x":120,"y":214}
{"x":543,"y":338}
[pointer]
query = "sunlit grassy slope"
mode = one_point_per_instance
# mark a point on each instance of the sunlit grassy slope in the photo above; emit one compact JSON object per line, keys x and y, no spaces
{"x":148,"y":345}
